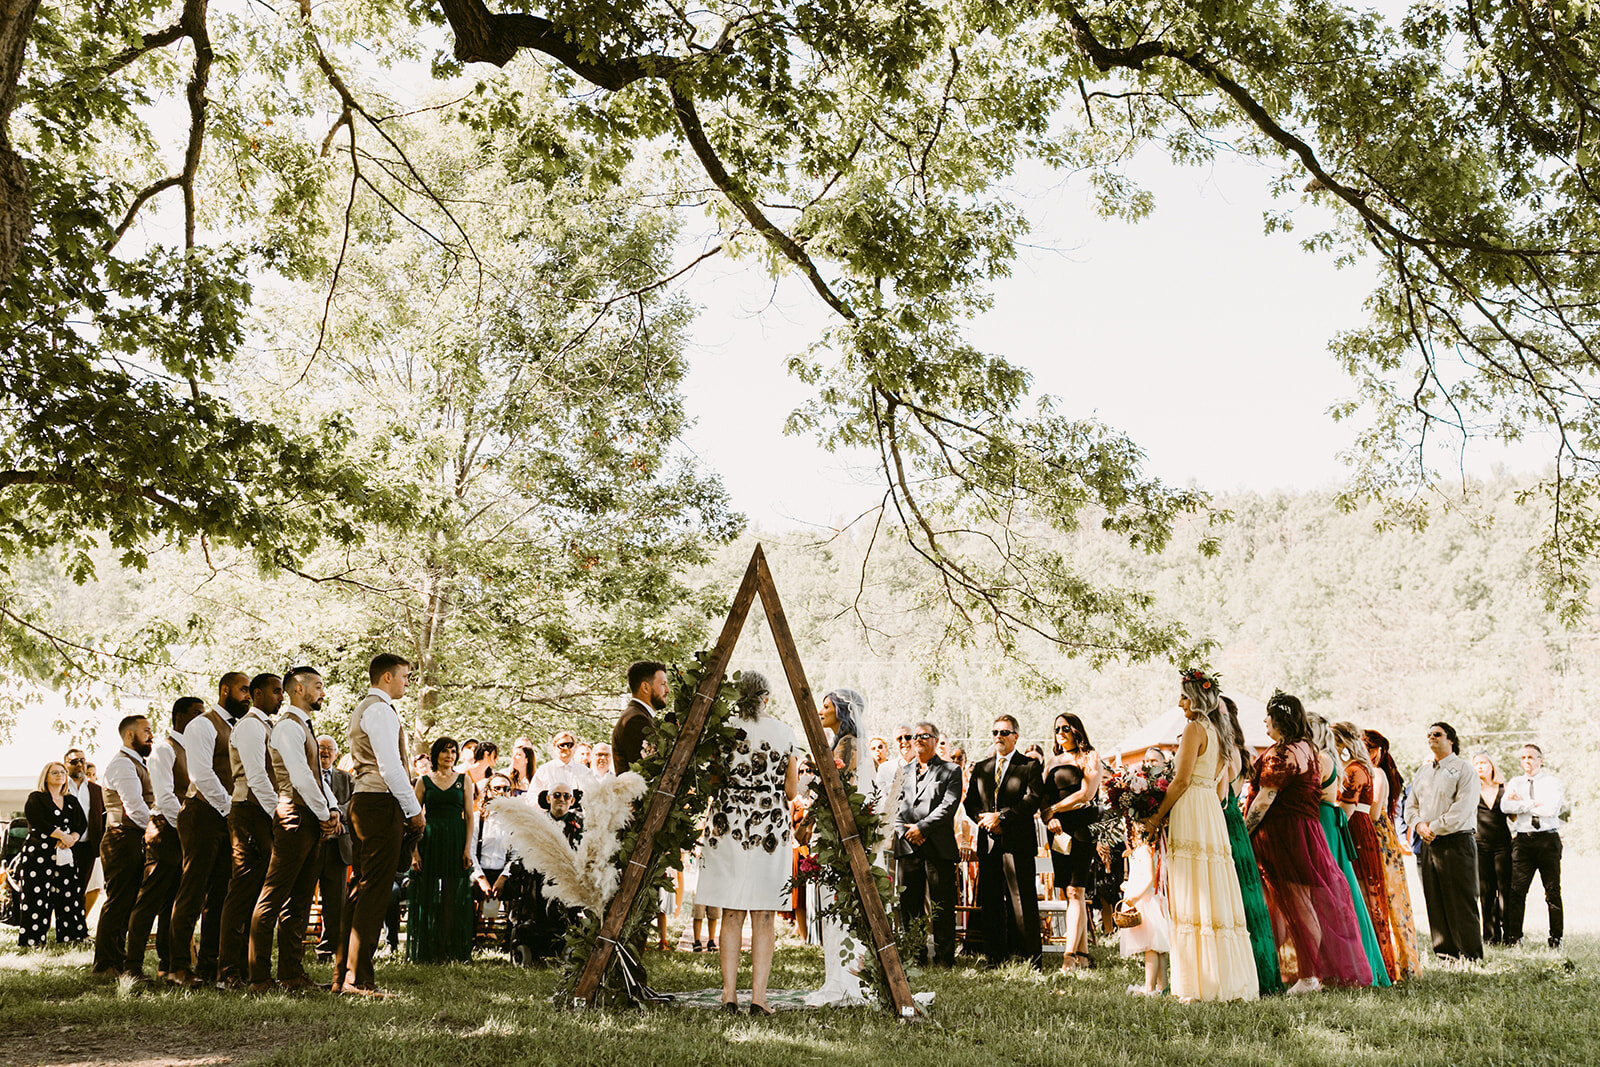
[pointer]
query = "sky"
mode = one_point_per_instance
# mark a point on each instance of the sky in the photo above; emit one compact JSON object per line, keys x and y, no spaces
{"x":1192,"y":331}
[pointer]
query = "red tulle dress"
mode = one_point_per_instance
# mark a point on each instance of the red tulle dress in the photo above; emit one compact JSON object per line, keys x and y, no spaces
{"x":1355,"y":787}
{"x":1312,"y":915}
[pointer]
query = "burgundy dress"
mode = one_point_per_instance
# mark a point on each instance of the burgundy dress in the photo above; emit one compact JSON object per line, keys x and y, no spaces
{"x":1312,"y":915}
{"x":1356,"y":788}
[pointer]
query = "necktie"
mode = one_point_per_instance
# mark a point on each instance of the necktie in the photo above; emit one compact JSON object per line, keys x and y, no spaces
{"x":1530,"y":801}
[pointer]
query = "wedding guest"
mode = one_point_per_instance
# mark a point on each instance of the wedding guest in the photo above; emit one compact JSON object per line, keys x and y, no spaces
{"x":1387,"y":790}
{"x":128,"y":799}
{"x":382,"y":809}
{"x":1494,"y":850}
{"x":255,"y":799}
{"x":91,"y":799}
{"x":469,"y":754}
{"x":564,"y":767}
{"x":1356,"y":795}
{"x":887,"y":790}
{"x":306,"y":814}
{"x":1035,"y":753}
{"x":49,"y":892}
{"x":585,"y":754}
{"x":1258,"y":917}
{"x":484,"y":758}
{"x":1443,"y":808}
{"x":879,"y":747}
{"x":1150,"y":937}
{"x":602,"y":761}
{"x":203,"y":832}
{"x":1067,"y":789}
{"x":1002,"y":798}
{"x":491,"y":845}
{"x":648,"y":690}
{"x":439,"y":926}
{"x":334,"y":853}
{"x":1307,"y":894}
{"x":163,"y":859}
{"x":924,"y":827}
{"x":1534,"y":799}
{"x":744,"y":873}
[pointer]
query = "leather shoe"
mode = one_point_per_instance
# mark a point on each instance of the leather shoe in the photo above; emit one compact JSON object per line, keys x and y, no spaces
{"x":259,"y":987}
{"x":230,"y":985}
{"x":300,"y":983}
{"x":185,"y":979}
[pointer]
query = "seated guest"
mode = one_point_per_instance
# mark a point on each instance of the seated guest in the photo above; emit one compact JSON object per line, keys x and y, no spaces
{"x":491,"y":846}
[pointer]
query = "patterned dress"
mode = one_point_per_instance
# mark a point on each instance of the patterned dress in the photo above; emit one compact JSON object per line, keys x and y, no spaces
{"x":745,"y":856}
{"x":1402,"y":927}
{"x":49,"y":893}
{"x":1211,"y":957}
{"x":1355,"y":787}
{"x":440,"y":924}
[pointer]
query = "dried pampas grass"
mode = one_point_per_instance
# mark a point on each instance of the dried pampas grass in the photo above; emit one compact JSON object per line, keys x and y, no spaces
{"x":585,"y":877}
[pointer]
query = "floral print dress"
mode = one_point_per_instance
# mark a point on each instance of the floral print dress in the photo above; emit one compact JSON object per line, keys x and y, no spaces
{"x":745,"y":857}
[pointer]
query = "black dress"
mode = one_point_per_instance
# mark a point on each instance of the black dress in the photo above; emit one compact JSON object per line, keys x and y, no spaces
{"x":50,"y":892}
{"x":1061,"y":780}
{"x":1494,"y":866}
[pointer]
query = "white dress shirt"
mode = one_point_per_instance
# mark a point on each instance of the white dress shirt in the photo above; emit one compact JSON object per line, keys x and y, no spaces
{"x":1444,"y":794}
{"x":1540,"y":799}
{"x":250,"y":738}
{"x":199,"y":744}
{"x":573,"y":774}
{"x":382,"y":725}
{"x":121,"y":776}
{"x":161,"y":763}
{"x":289,"y":738}
{"x":81,"y":792}
{"x":492,"y":845}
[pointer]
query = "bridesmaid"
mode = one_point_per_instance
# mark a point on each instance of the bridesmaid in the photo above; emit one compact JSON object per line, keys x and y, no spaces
{"x":1337,"y":829}
{"x":1494,"y":850}
{"x":1312,"y":915}
{"x":1262,"y":944}
{"x":1387,"y":789}
{"x":1355,"y":800}
{"x":1211,"y":957}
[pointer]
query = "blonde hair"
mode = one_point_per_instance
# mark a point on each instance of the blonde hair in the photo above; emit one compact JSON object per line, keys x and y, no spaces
{"x":1349,"y":736}
{"x":44,"y":775}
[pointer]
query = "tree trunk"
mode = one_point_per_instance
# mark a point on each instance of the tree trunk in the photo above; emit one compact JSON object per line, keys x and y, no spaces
{"x":16,"y":209}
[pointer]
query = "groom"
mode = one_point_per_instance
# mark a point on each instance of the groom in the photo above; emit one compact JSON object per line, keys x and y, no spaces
{"x":648,"y":689}
{"x":1001,"y":799}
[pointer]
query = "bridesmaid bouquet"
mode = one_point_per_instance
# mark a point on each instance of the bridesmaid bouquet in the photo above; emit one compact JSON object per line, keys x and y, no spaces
{"x":1136,"y":792}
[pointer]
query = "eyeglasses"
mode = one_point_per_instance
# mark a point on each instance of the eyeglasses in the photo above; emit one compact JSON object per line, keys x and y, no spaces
{"x":1004,"y":733}
{"x":923,"y":737}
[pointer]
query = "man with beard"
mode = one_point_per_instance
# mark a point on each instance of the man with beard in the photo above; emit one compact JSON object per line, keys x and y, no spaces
{"x":647,"y":684}
{"x":128,"y":797}
{"x":91,"y":798}
{"x":255,"y":798}
{"x":307,"y":813}
{"x":163,"y":853}
{"x":203,"y":833}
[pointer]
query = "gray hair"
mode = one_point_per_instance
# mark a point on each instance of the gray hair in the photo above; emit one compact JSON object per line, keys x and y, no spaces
{"x":749,"y":688}
{"x":930,"y":728}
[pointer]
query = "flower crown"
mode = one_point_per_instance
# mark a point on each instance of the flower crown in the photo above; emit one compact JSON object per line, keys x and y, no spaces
{"x":1199,"y":677}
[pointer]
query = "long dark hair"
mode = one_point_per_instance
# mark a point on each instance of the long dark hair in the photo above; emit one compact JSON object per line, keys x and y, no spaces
{"x":1289,"y":716}
{"x":1079,"y":734}
{"x":1390,"y":769}
{"x":847,"y":705}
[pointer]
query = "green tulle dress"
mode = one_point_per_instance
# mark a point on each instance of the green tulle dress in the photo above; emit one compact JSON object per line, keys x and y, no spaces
{"x":1263,"y":946}
{"x":1337,"y":829}
{"x":439,"y":927}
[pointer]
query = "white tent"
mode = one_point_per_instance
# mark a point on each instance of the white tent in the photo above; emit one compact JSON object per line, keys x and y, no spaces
{"x":1164,"y":731}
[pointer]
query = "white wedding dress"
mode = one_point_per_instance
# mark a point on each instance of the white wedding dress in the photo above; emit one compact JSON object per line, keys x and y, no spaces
{"x":843,"y":957}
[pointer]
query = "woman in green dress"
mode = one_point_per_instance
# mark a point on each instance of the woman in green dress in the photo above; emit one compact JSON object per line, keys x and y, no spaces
{"x":440,"y":925}
{"x":1263,"y":945}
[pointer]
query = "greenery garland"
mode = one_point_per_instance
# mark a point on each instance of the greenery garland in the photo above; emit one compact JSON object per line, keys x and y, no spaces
{"x":702,"y":783}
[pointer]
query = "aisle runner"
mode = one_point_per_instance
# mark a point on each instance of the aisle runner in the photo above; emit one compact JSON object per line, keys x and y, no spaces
{"x":777,"y":999}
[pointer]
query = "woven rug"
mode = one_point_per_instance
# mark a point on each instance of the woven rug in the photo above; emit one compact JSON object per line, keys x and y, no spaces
{"x":777,"y":999}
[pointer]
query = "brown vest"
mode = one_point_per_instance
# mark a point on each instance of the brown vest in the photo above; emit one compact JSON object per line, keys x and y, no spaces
{"x":241,"y":782}
{"x":368,"y":778}
{"x":116,"y":814}
{"x":280,"y":770}
{"x":180,"y":768}
{"x":221,"y":759}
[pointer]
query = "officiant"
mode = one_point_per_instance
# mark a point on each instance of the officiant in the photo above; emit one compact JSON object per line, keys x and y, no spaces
{"x":1002,"y":798}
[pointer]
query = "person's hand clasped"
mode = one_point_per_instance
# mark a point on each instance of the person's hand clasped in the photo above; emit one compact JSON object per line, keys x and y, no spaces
{"x":914,"y":835}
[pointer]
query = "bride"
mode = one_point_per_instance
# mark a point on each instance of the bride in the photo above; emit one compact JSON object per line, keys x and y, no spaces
{"x":843,"y":955}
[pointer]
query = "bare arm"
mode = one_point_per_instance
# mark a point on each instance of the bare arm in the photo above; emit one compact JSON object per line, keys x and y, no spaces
{"x":1188,"y":751}
{"x":1258,"y":808}
{"x":1086,"y":789}
{"x":791,"y":778}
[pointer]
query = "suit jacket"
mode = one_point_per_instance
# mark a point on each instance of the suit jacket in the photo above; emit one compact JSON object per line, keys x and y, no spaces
{"x":87,"y":850}
{"x":1016,"y":800}
{"x":630,"y":734}
{"x":343,"y":787}
{"x":928,"y":801}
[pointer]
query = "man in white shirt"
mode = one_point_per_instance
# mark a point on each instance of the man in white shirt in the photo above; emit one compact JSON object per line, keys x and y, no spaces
{"x":203,"y":832}
{"x":887,"y":790}
{"x":91,"y":799}
{"x":1443,"y":806}
{"x":128,"y":797}
{"x":565,"y":767}
{"x":601,"y":760}
{"x":163,"y":853}
{"x":307,"y":812}
{"x":333,"y":855}
{"x":383,"y":808}
{"x":255,"y":798}
{"x":1533,"y":800}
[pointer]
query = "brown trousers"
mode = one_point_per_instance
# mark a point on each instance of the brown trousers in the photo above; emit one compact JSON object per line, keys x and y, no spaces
{"x":122,"y":861}
{"x":379,"y":830}
{"x":285,"y":901}
{"x":163,"y":868}
{"x":251,"y":830}
{"x":207,"y":862}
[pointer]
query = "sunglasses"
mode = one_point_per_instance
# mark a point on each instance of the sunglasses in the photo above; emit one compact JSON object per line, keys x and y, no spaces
{"x":78,"y":759}
{"x":922,"y":737}
{"x":1004,"y":733}
{"x":564,"y":744}
{"x":902,"y":737}
{"x":1434,"y":735}
{"x":560,"y":796}
{"x":1063,"y":729}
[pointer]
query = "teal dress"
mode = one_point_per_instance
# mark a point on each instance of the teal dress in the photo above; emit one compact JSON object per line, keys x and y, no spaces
{"x":1263,"y":945}
{"x":440,"y":925}
{"x":1337,"y":829}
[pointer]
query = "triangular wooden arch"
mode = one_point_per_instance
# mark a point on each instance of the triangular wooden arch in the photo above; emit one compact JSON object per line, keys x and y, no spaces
{"x":757,"y":579}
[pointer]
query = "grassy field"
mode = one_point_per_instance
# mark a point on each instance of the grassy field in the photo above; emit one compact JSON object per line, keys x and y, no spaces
{"x":1523,"y":1006}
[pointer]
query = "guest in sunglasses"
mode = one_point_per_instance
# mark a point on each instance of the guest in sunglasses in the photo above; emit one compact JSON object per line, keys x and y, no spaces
{"x":1002,"y":798}
{"x":564,"y":768}
{"x":1067,"y":789}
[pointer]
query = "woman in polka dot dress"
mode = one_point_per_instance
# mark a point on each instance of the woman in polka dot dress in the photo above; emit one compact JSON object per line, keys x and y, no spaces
{"x":50,"y":891}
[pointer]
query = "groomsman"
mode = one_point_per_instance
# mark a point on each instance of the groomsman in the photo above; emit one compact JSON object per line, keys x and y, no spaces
{"x":1533,"y":800}
{"x":307,"y":813}
{"x":925,"y":827}
{"x":333,"y":854}
{"x":203,"y":833}
{"x":163,"y":853}
{"x":381,"y":810}
{"x":128,"y":797}
{"x":1443,"y":806}
{"x":648,"y":689}
{"x":1002,"y":798}
{"x":255,"y":798}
